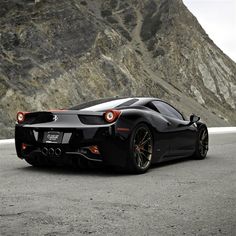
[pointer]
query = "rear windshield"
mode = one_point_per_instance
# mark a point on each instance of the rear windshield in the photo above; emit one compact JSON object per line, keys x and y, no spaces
{"x":105,"y":104}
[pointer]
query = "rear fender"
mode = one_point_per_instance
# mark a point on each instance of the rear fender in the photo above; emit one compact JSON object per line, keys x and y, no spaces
{"x":116,"y":150}
{"x":129,"y":119}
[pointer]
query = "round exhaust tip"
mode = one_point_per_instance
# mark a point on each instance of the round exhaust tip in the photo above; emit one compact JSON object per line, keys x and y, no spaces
{"x":58,"y":152}
{"x":51,"y":151}
{"x":45,"y":151}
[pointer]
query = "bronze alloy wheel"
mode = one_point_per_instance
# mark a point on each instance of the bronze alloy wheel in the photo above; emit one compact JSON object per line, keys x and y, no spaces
{"x":142,"y":147}
{"x":203,"y":142}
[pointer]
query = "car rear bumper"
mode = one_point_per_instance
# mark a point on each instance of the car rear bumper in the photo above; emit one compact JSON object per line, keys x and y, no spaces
{"x":75,"y":143}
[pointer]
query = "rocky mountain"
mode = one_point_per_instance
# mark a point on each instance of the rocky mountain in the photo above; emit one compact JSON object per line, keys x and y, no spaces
{"x":55,"y":54}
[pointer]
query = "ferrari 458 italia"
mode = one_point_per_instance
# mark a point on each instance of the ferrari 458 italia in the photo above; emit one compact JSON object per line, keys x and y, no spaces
{"x":129,"y":133}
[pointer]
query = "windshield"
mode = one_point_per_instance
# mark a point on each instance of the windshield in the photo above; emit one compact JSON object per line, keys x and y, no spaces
{"x":104,"y":104}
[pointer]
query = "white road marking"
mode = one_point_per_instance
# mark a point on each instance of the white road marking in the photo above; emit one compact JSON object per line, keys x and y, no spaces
{"x":221,"y":130}
{"x":6,"y":141}
{"x":211,"y":130}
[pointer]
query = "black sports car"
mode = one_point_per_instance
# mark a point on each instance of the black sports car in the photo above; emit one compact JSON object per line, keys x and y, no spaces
{"x":130,"y":133}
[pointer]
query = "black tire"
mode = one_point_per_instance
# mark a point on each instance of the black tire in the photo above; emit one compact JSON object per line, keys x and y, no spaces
{"x":80,"y":164}
{"x":141,"y":149}
{"x":32,"y":162}
{"x":37,"y":160}
{"x":202,"y":143}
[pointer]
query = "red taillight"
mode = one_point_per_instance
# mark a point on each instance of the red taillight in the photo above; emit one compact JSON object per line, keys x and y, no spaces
{"x":21,"y":116}
{"x":111,"y":115}
{"x":23,"y":146}
{"x":94,"y":149}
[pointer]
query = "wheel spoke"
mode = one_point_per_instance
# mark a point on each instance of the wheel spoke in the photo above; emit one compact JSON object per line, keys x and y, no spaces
{"x":146,"y":151}
{"x":202,"y":145}
{"x":204,"y":135}
{"x":147,"y":157}
{"x":201,"y":151}
{"x":145,"y":141}
{"x":205,"y":146}
{"x":144,"y":137}
{"x":140,"y":161}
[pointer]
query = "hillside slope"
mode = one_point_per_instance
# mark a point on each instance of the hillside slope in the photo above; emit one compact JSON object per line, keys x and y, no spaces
{"x":55,"y":54}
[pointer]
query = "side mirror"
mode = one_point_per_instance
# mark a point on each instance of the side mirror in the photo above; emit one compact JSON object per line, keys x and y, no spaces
{"x":194,"y":119}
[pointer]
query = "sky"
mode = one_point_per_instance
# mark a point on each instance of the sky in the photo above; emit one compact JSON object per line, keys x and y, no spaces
{"x":218,"y":18}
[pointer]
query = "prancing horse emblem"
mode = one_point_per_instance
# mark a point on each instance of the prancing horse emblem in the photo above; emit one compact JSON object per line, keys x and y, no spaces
{"x":55,"y":117}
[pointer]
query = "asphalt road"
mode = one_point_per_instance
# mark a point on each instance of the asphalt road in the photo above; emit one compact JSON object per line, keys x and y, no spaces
{"x":187,"y":197}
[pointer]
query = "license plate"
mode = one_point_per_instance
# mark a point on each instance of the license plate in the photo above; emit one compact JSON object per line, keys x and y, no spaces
{"x":52,"y":137}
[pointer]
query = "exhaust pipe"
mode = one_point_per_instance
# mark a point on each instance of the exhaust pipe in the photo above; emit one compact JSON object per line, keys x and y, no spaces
{"x":58,"y":152}
{"x":51,"y":152}
{"x":45,"y":151}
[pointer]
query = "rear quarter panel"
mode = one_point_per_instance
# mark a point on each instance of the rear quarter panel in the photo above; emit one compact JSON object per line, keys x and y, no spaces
{"x":130,"y":118}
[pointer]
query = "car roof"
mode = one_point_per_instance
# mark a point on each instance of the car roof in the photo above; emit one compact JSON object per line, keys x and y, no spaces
{"x":143,"y":100}
{"x":140,"y":101}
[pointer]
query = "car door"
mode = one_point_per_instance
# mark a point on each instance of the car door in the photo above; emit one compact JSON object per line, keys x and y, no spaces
{"x":180,"y":135}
